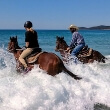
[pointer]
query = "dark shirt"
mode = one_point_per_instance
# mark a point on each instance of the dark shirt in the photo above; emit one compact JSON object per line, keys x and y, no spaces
{"x":32,"y":38}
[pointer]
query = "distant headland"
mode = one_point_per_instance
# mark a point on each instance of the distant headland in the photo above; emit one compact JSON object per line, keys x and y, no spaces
{"x":101,"y":27}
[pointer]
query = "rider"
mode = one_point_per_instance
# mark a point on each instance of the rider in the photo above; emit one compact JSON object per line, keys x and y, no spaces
{"x":31,"y":40}
{"x":77,"y":41}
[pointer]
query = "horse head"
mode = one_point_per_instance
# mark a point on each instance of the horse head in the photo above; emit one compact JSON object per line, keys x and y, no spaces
{"x":60,"y":44}
{"x":13,"y":44}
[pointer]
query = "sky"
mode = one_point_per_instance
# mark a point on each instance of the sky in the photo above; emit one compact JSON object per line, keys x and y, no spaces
{"x":54,"y":14}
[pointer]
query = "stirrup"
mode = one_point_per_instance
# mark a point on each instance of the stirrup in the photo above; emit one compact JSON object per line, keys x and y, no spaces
{"x":26,"y":70}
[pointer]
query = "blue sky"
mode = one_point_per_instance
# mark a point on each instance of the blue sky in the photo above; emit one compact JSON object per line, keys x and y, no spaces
{"x":54,"y":14}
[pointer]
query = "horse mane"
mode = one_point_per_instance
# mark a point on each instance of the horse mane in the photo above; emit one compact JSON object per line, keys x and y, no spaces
{"x":61,"y":40}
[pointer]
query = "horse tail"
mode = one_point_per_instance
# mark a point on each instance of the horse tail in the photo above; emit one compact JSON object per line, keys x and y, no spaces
{"x":69,"y":72}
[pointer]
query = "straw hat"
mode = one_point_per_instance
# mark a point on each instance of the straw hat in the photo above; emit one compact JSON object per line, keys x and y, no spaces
{"x":73,"y":27}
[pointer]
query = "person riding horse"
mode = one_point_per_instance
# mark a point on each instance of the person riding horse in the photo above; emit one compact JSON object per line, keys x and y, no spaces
{"x":47,"y":61}
{"x":77,"y":42}
{"x":31,"y":39}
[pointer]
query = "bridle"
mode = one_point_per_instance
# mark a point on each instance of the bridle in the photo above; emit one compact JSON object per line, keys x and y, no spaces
{"x":13,"y":46}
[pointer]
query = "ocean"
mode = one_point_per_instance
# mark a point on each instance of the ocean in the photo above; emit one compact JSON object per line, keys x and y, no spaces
{"x":40,"y":91}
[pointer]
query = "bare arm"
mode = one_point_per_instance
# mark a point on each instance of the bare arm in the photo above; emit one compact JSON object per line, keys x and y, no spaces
{"x":27,"y":44}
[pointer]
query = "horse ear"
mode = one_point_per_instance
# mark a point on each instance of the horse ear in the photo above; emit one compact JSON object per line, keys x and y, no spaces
{"x":10,"y":38}
{"x":56,"y":37}
{"x":62,"y":38}
{"x":16,"y":37}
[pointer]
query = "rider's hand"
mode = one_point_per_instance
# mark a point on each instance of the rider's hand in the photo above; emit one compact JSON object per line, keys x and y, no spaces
{"x":24,"y":47}
{"x":67,"y":49}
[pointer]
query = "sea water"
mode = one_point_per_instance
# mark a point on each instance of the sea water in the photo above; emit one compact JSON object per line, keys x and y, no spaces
{"x":39,"y":91}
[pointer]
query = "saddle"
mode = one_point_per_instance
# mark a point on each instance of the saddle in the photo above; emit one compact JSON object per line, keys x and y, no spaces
{"x":85,"y":52}
{"x":31,"y":58}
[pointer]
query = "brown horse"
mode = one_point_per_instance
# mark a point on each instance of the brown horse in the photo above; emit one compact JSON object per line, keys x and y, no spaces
{"x":49,"y":62}
{"x":86,"y":55}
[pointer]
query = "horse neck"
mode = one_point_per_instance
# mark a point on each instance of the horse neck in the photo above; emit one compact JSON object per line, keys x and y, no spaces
{"x":18,"y":47}
{"x":65,"y":46}
{"x":62,"y":50}
{"x":17,"y":54}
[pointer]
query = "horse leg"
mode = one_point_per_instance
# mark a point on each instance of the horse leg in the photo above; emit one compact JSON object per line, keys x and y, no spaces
{"x":19,"y":67}
{"x":53,"y":68}
{"x":90,"y":60}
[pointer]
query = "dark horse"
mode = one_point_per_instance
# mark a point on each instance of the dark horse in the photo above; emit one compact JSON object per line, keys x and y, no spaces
{"x":86,"y":55}
{"x":49,"y":62}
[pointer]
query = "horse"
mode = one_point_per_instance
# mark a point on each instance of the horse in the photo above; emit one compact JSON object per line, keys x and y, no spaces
{"x":86,"y":55}
{"x":47,"y":61}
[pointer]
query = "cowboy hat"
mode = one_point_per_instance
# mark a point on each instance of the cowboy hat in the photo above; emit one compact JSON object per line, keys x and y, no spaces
{"x":73,"y":27}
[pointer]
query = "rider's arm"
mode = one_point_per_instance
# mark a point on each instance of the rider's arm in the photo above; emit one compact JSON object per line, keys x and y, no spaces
{"x":27,"y":44}
{"x":73,"y":41}
{"x":27,"y":39}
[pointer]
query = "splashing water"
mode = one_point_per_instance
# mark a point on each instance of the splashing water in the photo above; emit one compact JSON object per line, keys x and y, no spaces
{"x":39,"y":91}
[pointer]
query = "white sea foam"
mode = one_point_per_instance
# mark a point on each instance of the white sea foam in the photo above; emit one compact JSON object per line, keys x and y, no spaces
{"x":39,"y":91}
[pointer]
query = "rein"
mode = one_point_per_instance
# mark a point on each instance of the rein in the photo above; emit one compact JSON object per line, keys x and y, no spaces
{"x":64,"y":53}
{"x":23,"y":48}
{"x":61,"y":50}
{"x":20,"y":49}
{"x":10,"y":50}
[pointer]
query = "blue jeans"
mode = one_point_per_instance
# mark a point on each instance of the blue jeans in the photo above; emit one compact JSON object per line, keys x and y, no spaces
{"x":77,"y":49}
